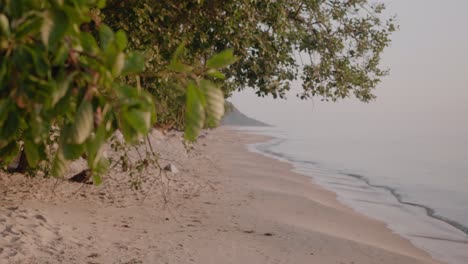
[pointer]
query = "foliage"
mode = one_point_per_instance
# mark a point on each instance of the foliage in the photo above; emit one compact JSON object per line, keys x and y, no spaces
{"x":68,"y":81}
{"x":204,"y":104}
{"x":62,"y":94}
{"x":339,"y":43}
{"x":60,"y":97}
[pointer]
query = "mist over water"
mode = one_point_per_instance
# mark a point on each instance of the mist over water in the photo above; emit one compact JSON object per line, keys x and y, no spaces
{"x":404,"y":158}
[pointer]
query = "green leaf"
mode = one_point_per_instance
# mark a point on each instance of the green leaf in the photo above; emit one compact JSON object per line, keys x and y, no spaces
{"x":5,"y":106}
{"x":32,"y":153}
{"x":98,"y":169}
{"x":101,"y":4}
{"x":139,"y":120}
{"x":82,"y":125}
{"x":89,"y":43}
{"x":9,"y":152}
{"x":16,"y":8}
{"x":54,"y":27}
{"x":178,"y":52}
{"x":129,"y":133}
{"x":40,"y":129}
{"x":61,"y":55}
{"x":194,"y":114}
{"x":150,"y":105}
{"x":59,"y":166}
{"x":11,"y":126}
{"x":178,"y":66}
{"x":76,"y":15}
{"x":121,"y":40}
{"x":97,"y":179}
{"x":63,"y":84}
{"x":110,"y":57}
{"x":4,"y":25}
{"x":118,"y":64}
{"x":40,"y":61}
{"x":32,"y":25}
{"x":72,"y":151}
{"x":134,"y":63}
{"x":216,"y":74}
{"x":222,"y":59}
{"x":125,"y":91}
{"x":214,"y":103}
{"x":106,"y":36}
{"x":95,"y":143}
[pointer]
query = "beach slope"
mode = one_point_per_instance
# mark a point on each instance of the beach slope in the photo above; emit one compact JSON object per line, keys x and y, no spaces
{"x":225,"y":205}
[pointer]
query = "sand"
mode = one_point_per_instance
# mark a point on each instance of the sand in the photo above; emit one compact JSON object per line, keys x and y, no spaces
{"x":225,"y":205}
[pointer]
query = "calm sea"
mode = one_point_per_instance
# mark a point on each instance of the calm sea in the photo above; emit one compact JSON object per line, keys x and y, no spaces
{"x":406,"y":180}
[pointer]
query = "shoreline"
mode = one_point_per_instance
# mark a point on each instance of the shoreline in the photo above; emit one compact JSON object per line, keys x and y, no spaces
{"x":226,"y":205}
{"x":258,"y":139}
{"x":443,"y":240}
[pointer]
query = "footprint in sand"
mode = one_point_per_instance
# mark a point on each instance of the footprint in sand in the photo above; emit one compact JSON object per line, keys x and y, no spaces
{"x":23,"y":232}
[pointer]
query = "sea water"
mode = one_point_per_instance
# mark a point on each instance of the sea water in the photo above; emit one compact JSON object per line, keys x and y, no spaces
{"x":406,"y":183}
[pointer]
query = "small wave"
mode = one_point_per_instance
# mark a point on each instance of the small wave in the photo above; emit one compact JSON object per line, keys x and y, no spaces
{"x":379,"y":203}
{"x":442,"y":239}
{"x":266,"y":148}
{"x":347,"y":185}
{"x":429,"y":211}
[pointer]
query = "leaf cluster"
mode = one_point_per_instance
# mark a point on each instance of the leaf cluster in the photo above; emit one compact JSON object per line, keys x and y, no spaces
{"x":332,"y":46}
{"x":61,"y":95}
{"x":204,"y":98}
{"x":70,"y":76}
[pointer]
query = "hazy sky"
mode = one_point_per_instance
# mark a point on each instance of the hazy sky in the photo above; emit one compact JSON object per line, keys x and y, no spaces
{"x":428,"y":81}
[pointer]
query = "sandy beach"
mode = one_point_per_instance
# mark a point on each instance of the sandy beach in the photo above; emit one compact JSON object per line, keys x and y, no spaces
{"x":225,"y":205}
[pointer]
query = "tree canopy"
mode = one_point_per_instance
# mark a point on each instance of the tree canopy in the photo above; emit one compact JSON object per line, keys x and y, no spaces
{"x":338,"y":42}
{"x":72,"y":72}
